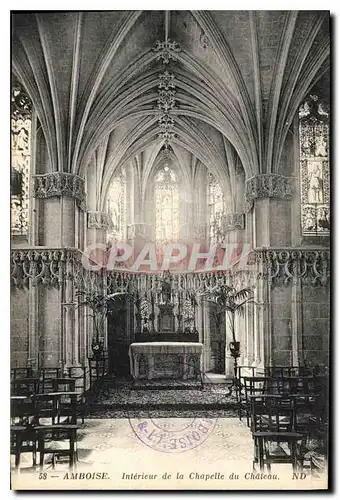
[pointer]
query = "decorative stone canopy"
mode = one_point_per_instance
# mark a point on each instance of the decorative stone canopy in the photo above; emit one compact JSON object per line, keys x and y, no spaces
{"x":60,"y":184}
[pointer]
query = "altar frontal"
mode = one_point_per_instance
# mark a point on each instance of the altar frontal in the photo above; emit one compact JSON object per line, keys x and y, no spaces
{"x":165,"y":360}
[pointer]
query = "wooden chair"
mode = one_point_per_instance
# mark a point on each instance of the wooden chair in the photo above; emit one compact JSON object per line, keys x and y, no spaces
{"x":242,"y":371}
{"x":265,"y":456}
{"x":62,"y":409}
{"x":47,"y":375}
{"x":23,"y":440}
{"x":98,"y":369}
{"x":272,"y":412}
{"x":272,"y":425}
{"x":80,"y":386}
{"x":49,"y":436}
{"x":251,"y":386}
{"x":23,"y":436}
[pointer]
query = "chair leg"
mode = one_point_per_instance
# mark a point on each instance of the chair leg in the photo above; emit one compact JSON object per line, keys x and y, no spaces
{"x":17,"y":451}
{"x":34,"y":454}
{"x":261,"y":454}
{"x":294,"y":455}
{"x":41,"y":453}
{"x":73,"y":453}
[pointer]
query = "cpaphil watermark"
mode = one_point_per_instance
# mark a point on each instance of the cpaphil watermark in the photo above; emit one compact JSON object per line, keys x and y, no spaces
{"x":152,"y":257}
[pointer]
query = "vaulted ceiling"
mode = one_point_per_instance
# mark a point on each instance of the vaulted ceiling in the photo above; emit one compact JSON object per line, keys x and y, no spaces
{"x":239,"y":78}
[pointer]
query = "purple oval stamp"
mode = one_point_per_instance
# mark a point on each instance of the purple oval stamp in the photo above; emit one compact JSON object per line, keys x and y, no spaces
{"x":170,"y":434}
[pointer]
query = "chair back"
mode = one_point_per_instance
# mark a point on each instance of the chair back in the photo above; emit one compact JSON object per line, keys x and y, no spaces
{"x":64,"y":384}
{"x":272,"y":413}
{"x":24,"y":386}
{"x":57,"y":408}
{"x":49,"y":373}
{"x":22,"y":372}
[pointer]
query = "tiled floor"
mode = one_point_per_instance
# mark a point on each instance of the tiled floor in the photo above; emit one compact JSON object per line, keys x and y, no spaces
{"x":128,"y":452}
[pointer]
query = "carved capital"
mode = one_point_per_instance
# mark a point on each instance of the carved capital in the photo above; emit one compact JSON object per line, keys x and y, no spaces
{"x":99,"y":220}
{"x":267,"y":186}
{"x":60,"y":184}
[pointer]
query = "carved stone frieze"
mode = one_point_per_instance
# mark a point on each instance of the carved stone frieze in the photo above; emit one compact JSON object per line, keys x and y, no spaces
{"x":52,"y":268}
{"x":267,"y":186}
{"x":167,"y":50}
{"x":99,"y":220}
{"x":33,"y":266}
{"x":286,"y":266}
{"x":60,"y":184}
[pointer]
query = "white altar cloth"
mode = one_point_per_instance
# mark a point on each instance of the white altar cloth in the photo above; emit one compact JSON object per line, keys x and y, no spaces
{"x":174,"y":360}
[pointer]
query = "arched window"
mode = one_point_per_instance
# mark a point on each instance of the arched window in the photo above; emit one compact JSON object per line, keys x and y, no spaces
{"x":166,"y":204}
{"x":216,"y":207}
{"x":314,"y":166}
{"x":116,"y":206}
{"x":21,"y":120}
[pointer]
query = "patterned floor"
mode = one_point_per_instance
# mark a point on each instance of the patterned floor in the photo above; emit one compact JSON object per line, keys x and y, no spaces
{"x":128,"y":401}
{"x":129,"y":455}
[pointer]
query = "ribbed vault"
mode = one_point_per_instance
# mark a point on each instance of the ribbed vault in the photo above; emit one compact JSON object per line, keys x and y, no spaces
{"x":239,"y":78}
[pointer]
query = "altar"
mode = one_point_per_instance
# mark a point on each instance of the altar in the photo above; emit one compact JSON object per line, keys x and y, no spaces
{"x":165,"y":360}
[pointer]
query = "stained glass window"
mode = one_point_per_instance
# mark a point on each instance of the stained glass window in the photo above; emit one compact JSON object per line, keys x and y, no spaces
{"x":314,"y":165}
{"x":166,"y":204}
{"x":116,"y":205}
{"x":21,"y":119}
{"x":216,"y":208}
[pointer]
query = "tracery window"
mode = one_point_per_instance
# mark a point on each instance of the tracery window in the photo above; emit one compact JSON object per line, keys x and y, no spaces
{"x":21,"y":120}
{"x":116,"y":206}
{"x":314,"y":166}
{"x":166,"y":204}
{"x":216,"y":206}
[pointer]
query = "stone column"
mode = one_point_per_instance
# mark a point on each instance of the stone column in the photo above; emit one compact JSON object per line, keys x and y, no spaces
{"x":60,"y":197}
{"x":206,"y":347}
{"x":200,"y":327}
{"x":269,"y":197}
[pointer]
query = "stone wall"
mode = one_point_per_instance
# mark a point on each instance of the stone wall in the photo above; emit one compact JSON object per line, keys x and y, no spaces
{"x":281,"y":325}
{"x":315,"y":324}
{"x":19,"y":327}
